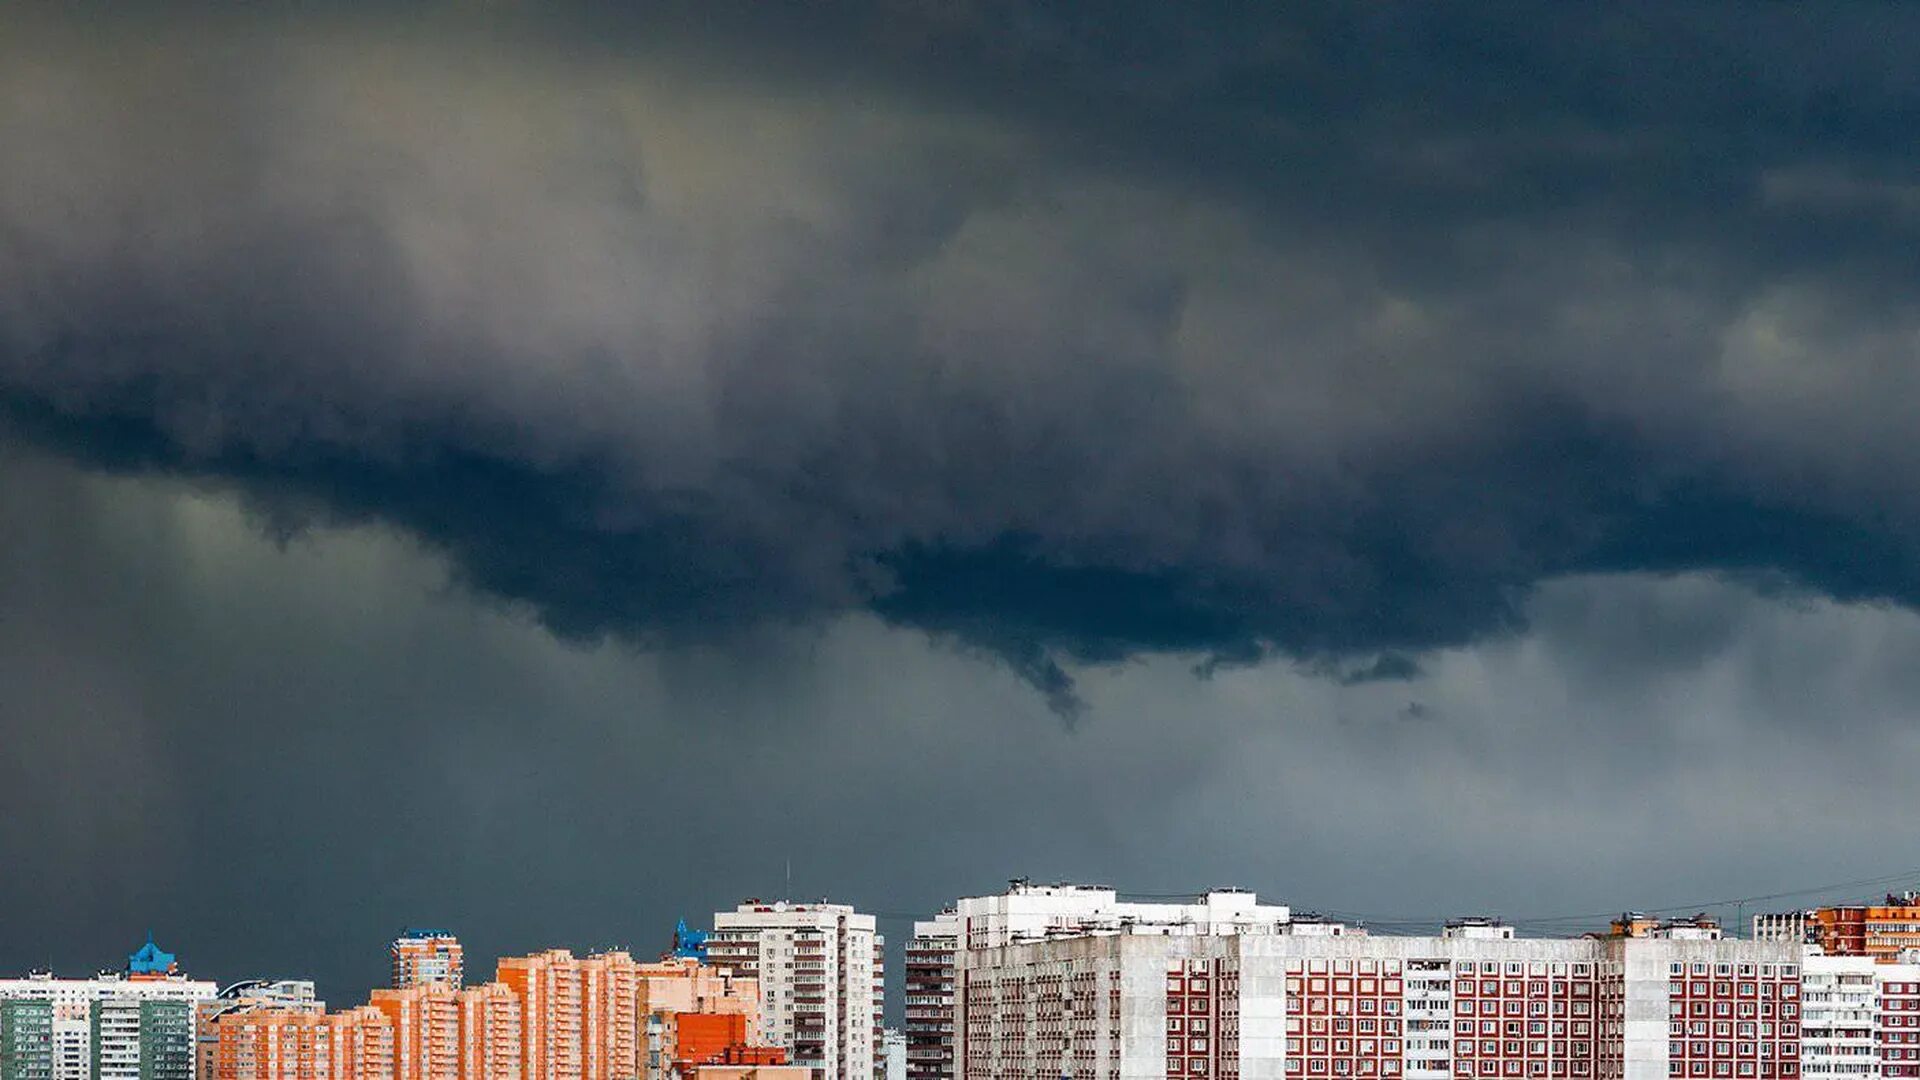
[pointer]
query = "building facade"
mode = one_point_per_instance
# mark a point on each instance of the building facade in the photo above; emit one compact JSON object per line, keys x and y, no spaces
{"x":1027,"y":911}
{"x":426,"y":1030}
{"x":362,"y":1044}
{"x":929,"y":997}
{"x":26,"y":1040}
{"x":426,"y":958}
{"x":137,"y":1024}
{"x":272,"y":1044}
{"x":680,"y":986}
{"x":548,"y":987}
{"x":820,"y":970}
{"x":1884,"y":931}
{"x":1306,"y":1001}
{"x":490,"y":1046}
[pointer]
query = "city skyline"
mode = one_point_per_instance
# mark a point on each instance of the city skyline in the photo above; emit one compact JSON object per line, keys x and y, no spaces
{"x":1782,"y":914}
{"x":550,"y":470}
{"x":1042,"y":980}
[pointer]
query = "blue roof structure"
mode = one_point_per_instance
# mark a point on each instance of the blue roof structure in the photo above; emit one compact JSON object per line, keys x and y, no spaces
{"x":150,"y":960}
{"x":689,"y":944}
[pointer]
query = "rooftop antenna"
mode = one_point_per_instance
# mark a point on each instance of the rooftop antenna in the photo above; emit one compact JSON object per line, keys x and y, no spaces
{"x":789,"y":892}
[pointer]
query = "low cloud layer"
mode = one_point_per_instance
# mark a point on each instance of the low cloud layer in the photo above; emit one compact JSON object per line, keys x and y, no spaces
{"x":274,"y":754}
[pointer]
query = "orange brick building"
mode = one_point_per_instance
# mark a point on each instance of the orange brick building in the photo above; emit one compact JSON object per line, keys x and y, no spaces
{"x":719,"y":1039}
{"x":548,"y":985}
{"x":549,"y":1016}
{"x":273,"y":1044}
{"x":489,"y":1033}
{"x":680,"y":987}
{"x":362,"y":1044}
{"x":610,"y":1033}
{"x":1882,"y":931}
{"x":426,"y":1031}
{"x":426,"y":958}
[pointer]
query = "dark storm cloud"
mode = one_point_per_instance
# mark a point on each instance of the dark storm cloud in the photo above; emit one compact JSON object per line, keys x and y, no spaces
{"x":1068,"y":338}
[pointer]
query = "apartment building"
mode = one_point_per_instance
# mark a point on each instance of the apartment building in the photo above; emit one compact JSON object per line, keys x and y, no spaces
{"x":426,"y":958}
{"x":1897,"y":1015}
{"x":136,"y":1024}
{"x":273,"y":1044}
{"x":820,"y":970}
{"x":611,"y":1034}
{"x":1883,"y":931}
{"x":1839,"y":1020}
{"x":26,"y":1040}
{"x":548,"y":987}
{"x":362,"y":1041}
{"x":426,"y":1030}
{"x":1294,"y":999}
{"x":929,"y":997}
{"x":490,"y":1045}
{"x":1027,"y":911}
{"x":681,"y":986}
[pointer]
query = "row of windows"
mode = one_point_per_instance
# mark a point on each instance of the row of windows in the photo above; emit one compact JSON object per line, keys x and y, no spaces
{"x":1703,"y":988}
{"x":1744,"y":971}
{"x":1363,"y":985}
{"x":1493,"y":1007}
{"x":1732,"y":1050}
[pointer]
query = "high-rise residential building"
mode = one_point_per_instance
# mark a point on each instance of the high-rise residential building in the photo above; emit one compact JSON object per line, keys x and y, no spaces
{"x":1884,"y":931}
{"x":817,"y":966}
{"x":1028,"y":911}
{"x":548,"y":985}
{"x":1860,"y":1018}
{"x":362,"y":1044}
{"x":139,"y":1037}
{"x":26,"y":1040}
{"x":876,"y":1044}
{"x":610,"y":1031}
{"x":490,"y":1043}
{"x":137,"y":1024}
{"x":1897,"y":1015}
{"x":426,"y":1030}
{"x":246,"y":996}
{"x":680,"y":986}
{"x":426,"y":958}
{"x":430,"y":1032}
{"x":610,"y":1017}
{"x":929,"y":997}
{"x":267,"y":1043}
{"x":1839,"y":1018}
{"x":1283,"y":998}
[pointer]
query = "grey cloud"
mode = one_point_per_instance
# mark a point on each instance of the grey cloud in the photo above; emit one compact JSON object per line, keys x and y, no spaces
{"x":275,"y":752}
{"x":1326,"y":337}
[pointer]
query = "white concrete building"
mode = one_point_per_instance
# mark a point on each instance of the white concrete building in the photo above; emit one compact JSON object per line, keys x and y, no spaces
{"x":116,"y":1026}
{"x":1838,"y":1022}
{"x":1029,"y":912}
{"x":1859,"y":1019}
{"x":821,"y":975}
{"x":1476,"y":1002}
{"x":893,"y":1055}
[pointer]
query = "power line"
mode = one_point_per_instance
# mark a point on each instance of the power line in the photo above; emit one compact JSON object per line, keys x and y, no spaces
{"x":1422,"y":922}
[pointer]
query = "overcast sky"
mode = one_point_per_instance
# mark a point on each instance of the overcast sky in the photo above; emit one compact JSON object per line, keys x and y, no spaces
{"x":548,"y":475}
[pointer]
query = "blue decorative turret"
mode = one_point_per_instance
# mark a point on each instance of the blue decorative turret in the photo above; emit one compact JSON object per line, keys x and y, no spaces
{"x":689,"y":944}
{"x":151,"y":960}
